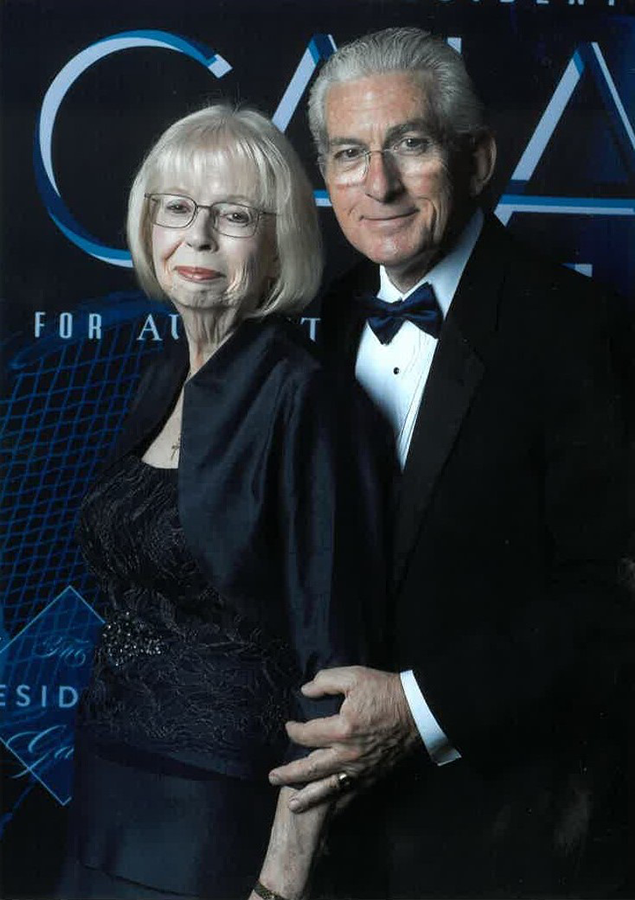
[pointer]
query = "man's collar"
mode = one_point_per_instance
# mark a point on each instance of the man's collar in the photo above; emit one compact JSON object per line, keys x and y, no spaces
{"x":446,"y":274}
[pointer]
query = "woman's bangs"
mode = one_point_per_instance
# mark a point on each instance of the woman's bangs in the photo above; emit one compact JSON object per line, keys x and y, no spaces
{"x":246,"y":167}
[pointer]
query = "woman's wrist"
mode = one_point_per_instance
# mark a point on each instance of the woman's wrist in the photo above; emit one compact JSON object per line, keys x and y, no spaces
{"x":281,"y":882}
{"x":293,"y":843}
{"x":266,"y":894}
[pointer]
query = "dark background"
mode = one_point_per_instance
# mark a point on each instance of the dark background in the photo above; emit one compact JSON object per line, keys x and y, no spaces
{"x":516,"y":52}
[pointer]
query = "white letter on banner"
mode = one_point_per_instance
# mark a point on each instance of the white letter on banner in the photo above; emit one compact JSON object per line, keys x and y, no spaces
{"x":149,"y":326}
{"x":64,"y":700}
{"x":66,"y":325}
{"x":94,"y":327}
{"x":23,"y":693}
{"x":53,"y":98}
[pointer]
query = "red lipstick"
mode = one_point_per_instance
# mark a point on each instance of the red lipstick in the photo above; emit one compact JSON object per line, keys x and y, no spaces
{"x":197,"y":273}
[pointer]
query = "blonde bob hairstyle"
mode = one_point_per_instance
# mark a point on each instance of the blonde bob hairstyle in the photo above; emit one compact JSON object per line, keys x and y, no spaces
{"x":248,"y":139}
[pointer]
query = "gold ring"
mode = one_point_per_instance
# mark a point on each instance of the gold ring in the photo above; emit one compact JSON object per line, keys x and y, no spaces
{"x":344,"y":782}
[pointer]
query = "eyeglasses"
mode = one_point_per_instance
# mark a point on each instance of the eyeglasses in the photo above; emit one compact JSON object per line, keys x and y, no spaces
{"x":348,"y":164}
{"x":228,"y":218}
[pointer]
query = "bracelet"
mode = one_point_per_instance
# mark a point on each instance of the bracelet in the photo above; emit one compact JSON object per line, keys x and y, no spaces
{"x":265,"y":893}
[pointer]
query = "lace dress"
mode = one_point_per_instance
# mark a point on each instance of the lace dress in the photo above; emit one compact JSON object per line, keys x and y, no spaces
{"x":184,"y":713}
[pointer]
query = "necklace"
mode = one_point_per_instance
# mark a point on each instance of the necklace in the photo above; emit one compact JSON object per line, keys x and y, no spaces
{"x":176,"y":446}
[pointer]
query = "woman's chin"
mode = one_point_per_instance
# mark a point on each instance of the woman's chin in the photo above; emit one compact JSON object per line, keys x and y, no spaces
{"x":201,"y":300}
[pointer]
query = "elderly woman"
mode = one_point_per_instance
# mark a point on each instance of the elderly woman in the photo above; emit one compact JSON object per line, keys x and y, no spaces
{"x":236,"y":532}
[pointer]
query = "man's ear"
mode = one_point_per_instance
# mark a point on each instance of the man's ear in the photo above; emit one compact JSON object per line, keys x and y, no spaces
{"x":483,"y":160}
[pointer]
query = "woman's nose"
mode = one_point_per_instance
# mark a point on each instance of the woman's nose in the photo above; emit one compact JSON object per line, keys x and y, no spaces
{"x":201,"y":233}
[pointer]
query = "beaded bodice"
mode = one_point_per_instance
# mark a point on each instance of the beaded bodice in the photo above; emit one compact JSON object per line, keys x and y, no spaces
{"x":177,"y":671}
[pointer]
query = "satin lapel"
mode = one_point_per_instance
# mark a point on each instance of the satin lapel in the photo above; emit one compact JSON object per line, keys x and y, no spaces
{"x":454,"y":377}
{"x":459,"y":364}
{"x":367,"y":283}
{"x":348,"y":320}
{"x":353,"y":337}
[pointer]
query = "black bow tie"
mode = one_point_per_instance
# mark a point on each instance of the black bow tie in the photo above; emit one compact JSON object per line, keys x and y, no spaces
{"x":421,"y":308}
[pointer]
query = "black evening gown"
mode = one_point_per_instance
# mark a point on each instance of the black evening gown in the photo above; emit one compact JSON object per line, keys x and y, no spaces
{"x":186,"y":703}
{"x":229,"y":583}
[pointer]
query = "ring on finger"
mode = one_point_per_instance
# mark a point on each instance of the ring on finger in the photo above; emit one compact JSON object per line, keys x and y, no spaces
{"x":344,"y":782}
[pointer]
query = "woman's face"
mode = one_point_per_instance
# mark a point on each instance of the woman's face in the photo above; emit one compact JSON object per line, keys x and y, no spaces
{"x":199,"y":268}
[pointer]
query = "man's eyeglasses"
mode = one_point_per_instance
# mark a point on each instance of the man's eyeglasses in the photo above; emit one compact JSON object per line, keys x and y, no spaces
{"x":348,"y":164}
{"x":228,"y":218}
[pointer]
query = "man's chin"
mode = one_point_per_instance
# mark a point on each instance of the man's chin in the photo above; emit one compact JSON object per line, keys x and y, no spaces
{"x":405,"y":269}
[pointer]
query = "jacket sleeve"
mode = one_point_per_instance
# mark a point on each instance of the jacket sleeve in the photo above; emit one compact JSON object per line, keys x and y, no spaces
{"x":335,"y":484}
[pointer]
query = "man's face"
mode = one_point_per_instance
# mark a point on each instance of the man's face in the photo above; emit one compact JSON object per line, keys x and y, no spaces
{"x":398,"y":214}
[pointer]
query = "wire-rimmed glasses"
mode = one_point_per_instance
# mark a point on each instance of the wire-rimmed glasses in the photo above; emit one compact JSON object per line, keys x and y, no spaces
{"x":347,"y":164}
{"x":227,"y":217}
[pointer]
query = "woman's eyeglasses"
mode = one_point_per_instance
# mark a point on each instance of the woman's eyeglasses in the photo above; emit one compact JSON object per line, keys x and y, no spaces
{"x":228,"y":218}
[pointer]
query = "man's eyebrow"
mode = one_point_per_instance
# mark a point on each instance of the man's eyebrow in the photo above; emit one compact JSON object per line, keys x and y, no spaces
{"x":341,"y":141}
{"x":397,"y":131}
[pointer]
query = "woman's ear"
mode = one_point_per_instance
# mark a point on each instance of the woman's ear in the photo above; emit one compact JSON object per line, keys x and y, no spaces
{"x":483,"y":160}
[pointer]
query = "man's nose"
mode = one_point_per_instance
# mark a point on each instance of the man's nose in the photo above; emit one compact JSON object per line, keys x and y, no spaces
{"x":383,"y":178}
{"x":201,"y":234}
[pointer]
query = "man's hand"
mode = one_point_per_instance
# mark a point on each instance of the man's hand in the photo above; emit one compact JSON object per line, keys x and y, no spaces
{"x":373,"y":730}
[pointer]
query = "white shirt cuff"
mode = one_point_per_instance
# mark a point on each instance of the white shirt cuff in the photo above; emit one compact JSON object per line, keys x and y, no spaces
{"x":436,"y":742}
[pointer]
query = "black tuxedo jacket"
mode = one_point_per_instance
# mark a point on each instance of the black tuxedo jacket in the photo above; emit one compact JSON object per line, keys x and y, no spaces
{"x":512,"y":519}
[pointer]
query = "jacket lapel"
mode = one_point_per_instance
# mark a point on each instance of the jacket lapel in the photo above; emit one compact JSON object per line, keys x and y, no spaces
{"x":459,"y":364}
{"x":157,"y":393}
{"x":455,"y":374}
{"x":353,"y":337}
{"x":367,"y":283}
{"x":342,"y":317}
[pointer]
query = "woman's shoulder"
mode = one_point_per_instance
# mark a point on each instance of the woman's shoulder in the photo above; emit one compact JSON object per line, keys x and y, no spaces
{"x":290,"y":341}
{"x":279,"y":350}
{"x":301,"y":360}
{"x":272,"y":364}
{"x":321,"y":387}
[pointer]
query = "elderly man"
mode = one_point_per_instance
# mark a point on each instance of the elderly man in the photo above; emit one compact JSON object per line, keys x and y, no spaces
{"x":502,"y":378}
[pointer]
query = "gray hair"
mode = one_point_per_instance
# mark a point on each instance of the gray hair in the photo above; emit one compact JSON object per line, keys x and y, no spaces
{"x":244,"y":136}
{"x":455,"y":107}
